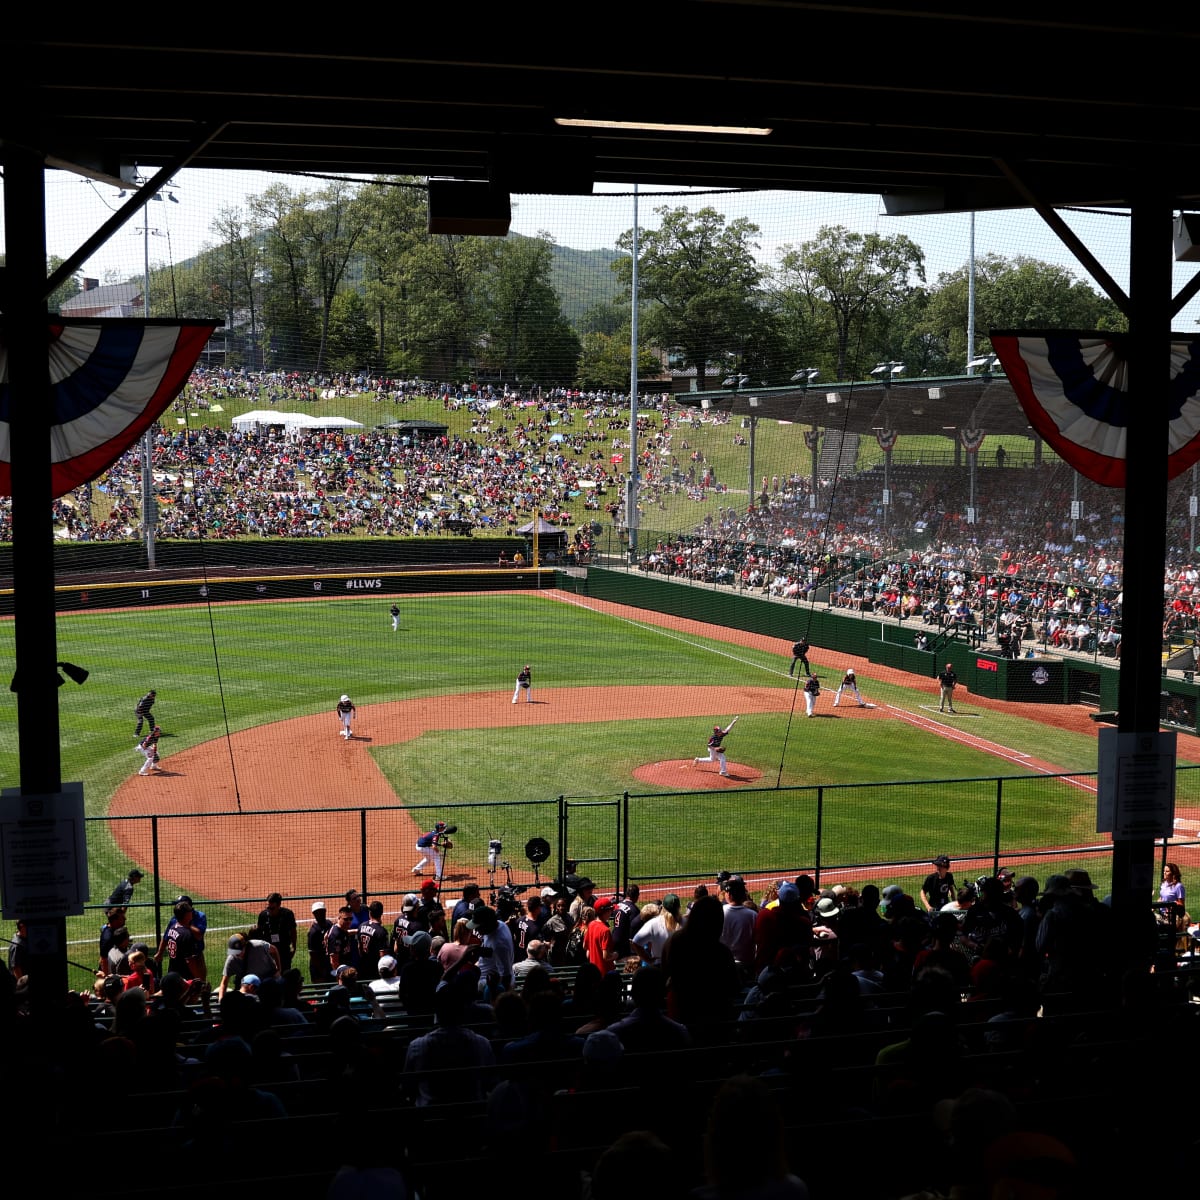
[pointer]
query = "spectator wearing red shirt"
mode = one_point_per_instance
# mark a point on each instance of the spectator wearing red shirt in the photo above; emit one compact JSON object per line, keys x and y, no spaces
{"x":597,"y":938}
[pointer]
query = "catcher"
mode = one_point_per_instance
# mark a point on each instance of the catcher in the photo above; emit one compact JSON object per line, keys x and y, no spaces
{"x":716,"y":752}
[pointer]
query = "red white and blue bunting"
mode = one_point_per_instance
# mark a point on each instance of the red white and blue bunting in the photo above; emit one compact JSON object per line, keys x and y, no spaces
{"x":971,"y":439}
{"x":886,"y":438}
{"x":109,"y":382}
{"x":1074,"y":389}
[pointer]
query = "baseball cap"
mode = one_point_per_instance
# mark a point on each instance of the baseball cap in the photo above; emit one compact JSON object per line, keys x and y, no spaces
{"x":237,"y":942}
{"x":1005,"y":873}
{"x":410,"y":901}
{"x":387,"y":963}
{"x":421,"y":940}
{"x":252,"y":980}
{"x":789,"y":893}
{"x":135,"y":874}
{"x":849,"y":670}
{"x":548,"y":892}
{"x":671,"y":902}
{"x":603,"y":1046}
{"x":345,"y":698}
{"x":942,"y":860}
{"x":318,"y":906}
{"x":429,"y":886}
{"x":603,"y":905}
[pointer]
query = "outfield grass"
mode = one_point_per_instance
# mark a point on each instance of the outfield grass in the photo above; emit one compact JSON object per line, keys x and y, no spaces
{"x":245,"y":665}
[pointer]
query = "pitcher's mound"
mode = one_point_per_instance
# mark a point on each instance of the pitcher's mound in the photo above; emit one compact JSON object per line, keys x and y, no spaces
{"x":687,"y":776}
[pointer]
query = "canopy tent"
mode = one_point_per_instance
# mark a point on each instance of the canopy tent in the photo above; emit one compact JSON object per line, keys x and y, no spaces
{"x":292,"y":421}
{"x":543,"y":527}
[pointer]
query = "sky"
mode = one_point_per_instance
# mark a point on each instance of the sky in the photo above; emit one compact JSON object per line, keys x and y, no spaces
{"x":174,"y":232}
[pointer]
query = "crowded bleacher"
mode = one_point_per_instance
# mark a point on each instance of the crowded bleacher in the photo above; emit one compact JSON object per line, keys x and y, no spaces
{"x":471,"y":1029}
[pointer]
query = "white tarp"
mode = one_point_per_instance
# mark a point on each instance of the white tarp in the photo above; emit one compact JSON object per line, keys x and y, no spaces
{"x":292,"y":420}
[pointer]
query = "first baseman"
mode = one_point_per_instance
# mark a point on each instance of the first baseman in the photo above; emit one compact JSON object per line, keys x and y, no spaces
{"x":346,"y":713}
{"x":716,"y":752}
{"x":812,"y":689}
{"x":848,"y":684}
{"x":524,"y":684}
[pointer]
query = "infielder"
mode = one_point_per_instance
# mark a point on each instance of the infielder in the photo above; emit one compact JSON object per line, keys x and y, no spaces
{"x":524,"y":684}
{"x":848,"y":684}
{"x":430,"y":850}
{"x":148,"y":746}
{"x":812,"y":689}
{"x":346,"y":713}
{"x":395,"y":612}
{"x":716,"y":752}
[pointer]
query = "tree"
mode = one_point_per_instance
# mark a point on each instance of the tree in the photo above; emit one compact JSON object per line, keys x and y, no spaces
{"x":288,"y":313}
{"x":351,"y":338}
{"x":241,"y":276}
{"x":398,"y":214}
{"x":847,"y":284}
{"x":700,"y":278}
{"x":1016,"y":293}
{"x":604,"y":362}
{"x":528,"y":337}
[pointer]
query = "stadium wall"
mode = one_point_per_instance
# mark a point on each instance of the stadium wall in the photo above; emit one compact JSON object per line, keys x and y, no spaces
{"x":1029,"y":681}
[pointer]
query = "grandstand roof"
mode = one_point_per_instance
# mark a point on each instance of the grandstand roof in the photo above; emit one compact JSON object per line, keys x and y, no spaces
{"x":910,"y":406}
{"x":950,"y":107}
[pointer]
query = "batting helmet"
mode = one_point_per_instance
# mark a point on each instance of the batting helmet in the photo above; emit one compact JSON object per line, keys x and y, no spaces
{"x":345,"y":699}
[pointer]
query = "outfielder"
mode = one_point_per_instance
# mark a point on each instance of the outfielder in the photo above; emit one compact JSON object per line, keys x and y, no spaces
{"x":395,"y":613}
{"x":524,"y":684}
{"x":716,"y":752}
{"x":346,"y":713}
{"x":812,"y":689}
{"x":148,"y":747}
{"x":848,"y":684}
{"x":429,"y":846}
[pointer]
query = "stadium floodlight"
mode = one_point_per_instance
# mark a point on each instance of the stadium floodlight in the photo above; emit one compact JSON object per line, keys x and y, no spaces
{"x":986,"y":363}
{"x":898,"y":368}
{"x":886,"y":370}
{"x":806,"y":375}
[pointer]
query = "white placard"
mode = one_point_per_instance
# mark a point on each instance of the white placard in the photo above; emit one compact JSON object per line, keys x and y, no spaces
{"x":43,"y":853}
{"x":1136,"y":794}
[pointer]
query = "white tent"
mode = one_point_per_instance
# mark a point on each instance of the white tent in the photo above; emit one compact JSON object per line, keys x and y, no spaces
{"x":292,"y":421}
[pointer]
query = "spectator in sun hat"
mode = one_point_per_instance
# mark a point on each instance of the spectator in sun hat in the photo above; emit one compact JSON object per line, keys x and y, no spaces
{"x":1070,"y":937}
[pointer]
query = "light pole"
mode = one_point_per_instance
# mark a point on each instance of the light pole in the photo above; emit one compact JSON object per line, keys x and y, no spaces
{"x":804,"y":376}
{"x":885,"y":372}
{"x":149,"y":503}
{"x":735,"y":383}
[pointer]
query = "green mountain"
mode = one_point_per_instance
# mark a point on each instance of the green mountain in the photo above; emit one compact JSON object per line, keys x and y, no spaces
{"x":583,"y":279}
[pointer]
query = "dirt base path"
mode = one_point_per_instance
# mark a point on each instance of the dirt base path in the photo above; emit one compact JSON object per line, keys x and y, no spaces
{"x":304,"y":763}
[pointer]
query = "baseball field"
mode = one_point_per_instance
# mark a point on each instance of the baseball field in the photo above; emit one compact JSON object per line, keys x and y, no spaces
{"x":258,"y":792}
